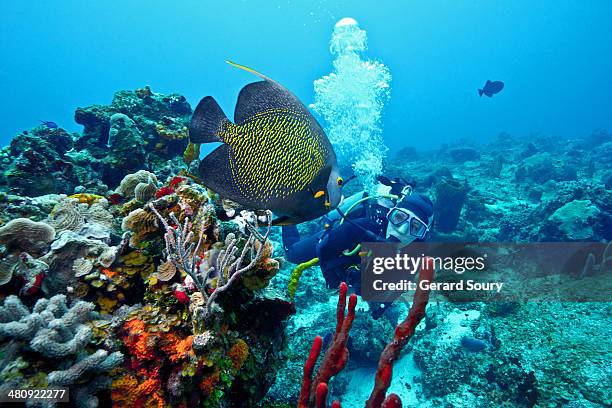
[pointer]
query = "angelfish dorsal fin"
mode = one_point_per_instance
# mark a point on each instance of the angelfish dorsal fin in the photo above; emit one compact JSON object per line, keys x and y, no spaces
{"x":251,"y":70}
{"x":262,"y":96}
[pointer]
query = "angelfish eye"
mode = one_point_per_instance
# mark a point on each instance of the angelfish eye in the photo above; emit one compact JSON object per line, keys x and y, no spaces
{"x":339,"y":180}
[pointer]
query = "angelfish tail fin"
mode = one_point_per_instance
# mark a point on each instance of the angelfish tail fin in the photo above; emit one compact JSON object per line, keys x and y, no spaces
{"x":207,"y":120}
{"x":480,"y":92}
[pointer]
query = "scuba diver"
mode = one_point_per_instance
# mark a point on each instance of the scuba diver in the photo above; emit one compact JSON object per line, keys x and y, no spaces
{"x":393,"y":214}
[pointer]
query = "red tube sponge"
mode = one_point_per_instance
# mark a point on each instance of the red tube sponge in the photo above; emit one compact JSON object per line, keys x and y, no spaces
{"x":403,"y":332}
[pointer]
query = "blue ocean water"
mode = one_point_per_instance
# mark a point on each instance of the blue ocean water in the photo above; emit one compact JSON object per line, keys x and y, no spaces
{"x":555,"y":58}
{"x":119,"y":224}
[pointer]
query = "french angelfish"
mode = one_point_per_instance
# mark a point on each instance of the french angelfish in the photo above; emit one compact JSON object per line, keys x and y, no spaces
{"x":274,"y":156}
{"x":491,"y":88}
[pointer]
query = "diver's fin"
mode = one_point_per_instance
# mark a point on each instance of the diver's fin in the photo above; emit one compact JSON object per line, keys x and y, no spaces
{"x":215,"y":174}
{"x":207,"y":120}
{"x":285,"y":220}
{"x":264,"y":95}
{"x":480,"y":92}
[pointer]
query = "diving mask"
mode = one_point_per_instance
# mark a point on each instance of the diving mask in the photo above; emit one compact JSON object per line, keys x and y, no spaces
{"x":403,"y":223}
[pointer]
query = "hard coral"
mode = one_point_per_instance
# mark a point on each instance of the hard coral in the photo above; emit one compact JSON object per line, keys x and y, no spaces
{"x":54,"y":338}
{"x":26,"y":235}
{"x":66,"y":216}
{"x":144,"y":192}
{"x":172,"y":134}
{"x":128,"y":184}
{"x":139,"y":223}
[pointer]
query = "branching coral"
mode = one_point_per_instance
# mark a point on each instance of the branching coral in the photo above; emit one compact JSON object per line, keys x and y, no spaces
{"x":52,"y":329}
{"x":184,"y":252}
{"x":99,"y":362}
{"x":60,"y":334}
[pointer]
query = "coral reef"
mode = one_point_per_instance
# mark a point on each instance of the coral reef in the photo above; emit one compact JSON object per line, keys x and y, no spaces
{"x":124,"y":279}
{"x":138,"y":130}
{"x":482,"y":354}
{"x":125,"y":316}
{"x":23,"y":234}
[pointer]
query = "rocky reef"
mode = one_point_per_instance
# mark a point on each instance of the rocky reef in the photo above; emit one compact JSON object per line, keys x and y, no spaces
{"x":138,"y":130}
{"x":536,"y":189}
{"x":514,"y":354}
{"x":124,"y":279}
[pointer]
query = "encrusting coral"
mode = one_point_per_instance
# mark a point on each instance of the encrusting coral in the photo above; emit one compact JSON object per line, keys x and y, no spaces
{"x":25,"y":235}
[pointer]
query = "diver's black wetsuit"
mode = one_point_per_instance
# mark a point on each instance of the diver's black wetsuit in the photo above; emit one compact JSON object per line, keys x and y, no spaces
{"x":367,"y":223}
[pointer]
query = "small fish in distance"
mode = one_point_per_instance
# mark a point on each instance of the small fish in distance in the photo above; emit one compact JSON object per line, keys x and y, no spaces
{"x":49,"y":124}
{"x":491,"y":88}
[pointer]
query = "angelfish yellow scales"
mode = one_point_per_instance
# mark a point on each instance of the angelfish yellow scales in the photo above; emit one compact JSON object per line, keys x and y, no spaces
{"x":268,"y":153}
{"x":273,"y":156}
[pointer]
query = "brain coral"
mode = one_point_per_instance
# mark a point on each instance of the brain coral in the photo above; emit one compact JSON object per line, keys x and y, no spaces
{"x":26,"y":235}
{"x":144,"y":192}
{"x":66,"y":216}
{"x":128,"y":184}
